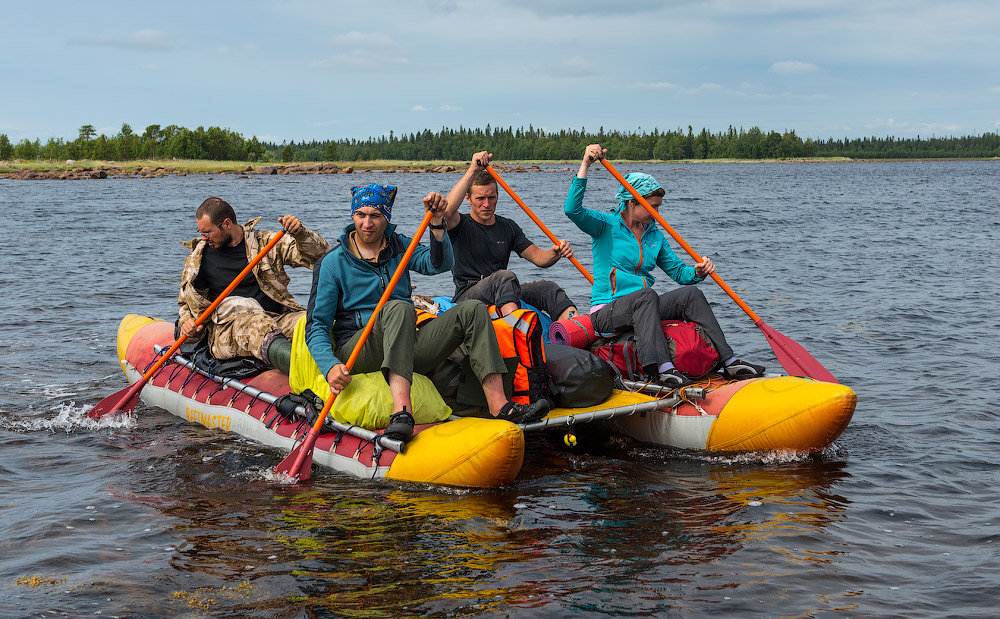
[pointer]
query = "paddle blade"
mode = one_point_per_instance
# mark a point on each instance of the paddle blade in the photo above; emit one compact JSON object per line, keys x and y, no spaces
{"x":793,"y":357}
{"x":121,"y":402}
{"x":298,"y":464}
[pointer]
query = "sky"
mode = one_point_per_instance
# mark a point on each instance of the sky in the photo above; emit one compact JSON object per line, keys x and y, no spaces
{"x":294,"y":70}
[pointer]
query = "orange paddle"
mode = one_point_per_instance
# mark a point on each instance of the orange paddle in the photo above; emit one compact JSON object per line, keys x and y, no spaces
{"x":535,"y":219}
{"x":298,"y":463}
{"x":791,"y":355}
{"x":124,"y":400}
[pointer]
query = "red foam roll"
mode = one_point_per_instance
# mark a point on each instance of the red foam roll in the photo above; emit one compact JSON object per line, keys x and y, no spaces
{"x":576,"y":331}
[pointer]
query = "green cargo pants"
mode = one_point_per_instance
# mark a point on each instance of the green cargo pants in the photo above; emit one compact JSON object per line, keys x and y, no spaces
{"x":395,"y":345}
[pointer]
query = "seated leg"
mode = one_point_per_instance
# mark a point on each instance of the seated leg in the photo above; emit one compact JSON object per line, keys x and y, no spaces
{"x":500,"y":289}
{"x":549,"y":297}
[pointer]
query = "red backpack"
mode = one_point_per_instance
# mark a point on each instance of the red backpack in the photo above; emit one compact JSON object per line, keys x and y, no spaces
{"x":520,"y":337}
{"x":691,"y":351}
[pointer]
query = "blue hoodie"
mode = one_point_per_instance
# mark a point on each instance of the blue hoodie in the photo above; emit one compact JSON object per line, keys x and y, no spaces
{"x":623,"y":263}
{"x":346,"y":289}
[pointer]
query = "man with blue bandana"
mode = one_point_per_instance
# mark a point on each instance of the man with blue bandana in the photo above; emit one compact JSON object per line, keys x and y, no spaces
{"x":347,"y":285}
{"x":627,"y":245}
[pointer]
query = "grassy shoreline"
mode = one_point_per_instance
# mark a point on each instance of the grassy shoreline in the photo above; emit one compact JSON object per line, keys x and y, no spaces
{"x":163,"y":167}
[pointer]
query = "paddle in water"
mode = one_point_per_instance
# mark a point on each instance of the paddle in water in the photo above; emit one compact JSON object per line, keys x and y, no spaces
{"x":123,"y":401}
{"x":298,"y":463}
{"x":790,"y":354}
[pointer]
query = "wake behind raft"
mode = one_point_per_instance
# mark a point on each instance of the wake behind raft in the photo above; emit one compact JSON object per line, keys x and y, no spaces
{"x":778,"y":413}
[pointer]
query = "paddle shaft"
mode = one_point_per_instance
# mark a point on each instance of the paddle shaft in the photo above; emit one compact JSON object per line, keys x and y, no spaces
{"x":139,"y":384}
{"x":793,"y":357}
{"x":677,"y":237}
{"x":534,"y":218}
{"x":305,"y":449}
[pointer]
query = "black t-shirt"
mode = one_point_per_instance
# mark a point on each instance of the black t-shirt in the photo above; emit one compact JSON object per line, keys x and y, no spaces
{"x":220,"y":266}
{"x":483,"y":250}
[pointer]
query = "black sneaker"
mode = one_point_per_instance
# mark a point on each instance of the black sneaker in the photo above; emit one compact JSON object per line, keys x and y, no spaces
{"x":400,"y":426}
{"x":739,"y":370}
{"x":524,"y":413}
{"x":672,"y":379}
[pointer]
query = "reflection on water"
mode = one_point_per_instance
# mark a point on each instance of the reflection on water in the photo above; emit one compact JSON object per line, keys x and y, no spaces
{"x":337,"y":547}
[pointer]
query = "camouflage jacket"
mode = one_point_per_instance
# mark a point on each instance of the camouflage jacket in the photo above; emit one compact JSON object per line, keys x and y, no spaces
{"x":300,"y":250}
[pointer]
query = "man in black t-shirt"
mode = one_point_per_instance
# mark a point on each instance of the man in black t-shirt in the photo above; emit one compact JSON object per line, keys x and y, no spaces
{"x":483,"y":241}
{"x":258,"y":317}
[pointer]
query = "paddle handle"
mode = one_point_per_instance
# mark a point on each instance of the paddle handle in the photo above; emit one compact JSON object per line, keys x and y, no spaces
{"x":677,"y":237}
{"x":534,"y":218}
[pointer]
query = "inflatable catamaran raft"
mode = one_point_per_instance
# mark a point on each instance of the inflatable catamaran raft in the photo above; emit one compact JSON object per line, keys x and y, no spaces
{"x":763,"y":414}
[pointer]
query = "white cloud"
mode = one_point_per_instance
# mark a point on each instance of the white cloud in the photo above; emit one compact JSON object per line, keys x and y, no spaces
{"x":450,"y":108}
{"x":792,"y":67}
{"x":561,"y":8}
{"x":227,"y":50}
{"x":995,"y":90}
{"x":148,"y":40}
{"x":360,"y":51}
{"x":654,"y":85}
{"x":894,"y":127}
{"x":362,"y":59}
{"x":574,"y":67}
{"x":150,"y":67}
{"x":355,"y":39}
{"x":420,"y":108}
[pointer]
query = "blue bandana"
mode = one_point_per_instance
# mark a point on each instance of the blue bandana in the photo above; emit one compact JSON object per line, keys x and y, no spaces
{"x":375,"y":196}
{"x":643,"y":183}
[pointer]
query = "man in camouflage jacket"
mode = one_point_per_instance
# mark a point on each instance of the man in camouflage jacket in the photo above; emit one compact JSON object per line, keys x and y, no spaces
{"x":257,"y":319}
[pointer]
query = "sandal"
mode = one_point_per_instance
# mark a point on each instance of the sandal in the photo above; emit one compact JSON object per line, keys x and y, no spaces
{"x":400,"y":426}
{"x":524,"y":413}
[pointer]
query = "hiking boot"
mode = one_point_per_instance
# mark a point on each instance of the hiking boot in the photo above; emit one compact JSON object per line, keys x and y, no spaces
{"x":524,"y":413}
{"x":672,"y":379}
{"x":400,"y":426}
{"x":739,"y":370}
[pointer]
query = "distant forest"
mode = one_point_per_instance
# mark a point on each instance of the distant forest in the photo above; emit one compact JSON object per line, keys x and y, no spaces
{"x":507,"y":144}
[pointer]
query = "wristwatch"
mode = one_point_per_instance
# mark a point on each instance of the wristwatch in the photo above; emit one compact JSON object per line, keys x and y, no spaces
{"x":443,"y":226}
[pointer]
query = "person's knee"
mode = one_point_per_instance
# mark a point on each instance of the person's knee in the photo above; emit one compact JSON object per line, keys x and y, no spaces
{"x":507,"y":276}
{"x":471,"y":308}
{"x":644,"y":296}
{"x":398,"y":307}
{"x":694,"y":295}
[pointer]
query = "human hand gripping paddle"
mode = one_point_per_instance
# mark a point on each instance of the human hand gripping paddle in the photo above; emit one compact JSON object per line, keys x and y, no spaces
{"x":791,"y":355}
{"x":124,"y":400}
{"x":298,"y":463}
{"x":535,"y":219}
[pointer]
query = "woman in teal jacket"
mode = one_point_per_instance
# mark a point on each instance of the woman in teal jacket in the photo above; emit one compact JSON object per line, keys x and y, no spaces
{"x":627,"y":245}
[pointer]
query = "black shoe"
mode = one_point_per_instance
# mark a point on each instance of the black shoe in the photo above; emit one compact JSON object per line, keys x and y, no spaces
{"x":400,"y":426}
{"x":672,"y":379}
{"x":524,"y":413}
{"x":739,"y":370}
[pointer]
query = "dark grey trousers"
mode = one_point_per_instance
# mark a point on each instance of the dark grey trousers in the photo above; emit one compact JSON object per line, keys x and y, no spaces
{"x":503,"y":287}
{"x":642,"y":312}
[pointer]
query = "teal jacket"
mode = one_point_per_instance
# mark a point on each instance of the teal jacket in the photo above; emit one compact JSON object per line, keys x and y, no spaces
{"x":346,"y":289}
{"x":623,"y":263}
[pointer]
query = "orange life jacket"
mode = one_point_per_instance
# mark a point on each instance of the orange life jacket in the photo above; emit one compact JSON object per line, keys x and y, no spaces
{"x":424,"y":317}
{"x":520,"y":336}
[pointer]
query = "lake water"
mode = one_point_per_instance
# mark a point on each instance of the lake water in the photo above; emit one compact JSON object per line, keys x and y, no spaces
{"x":886,"y":272}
